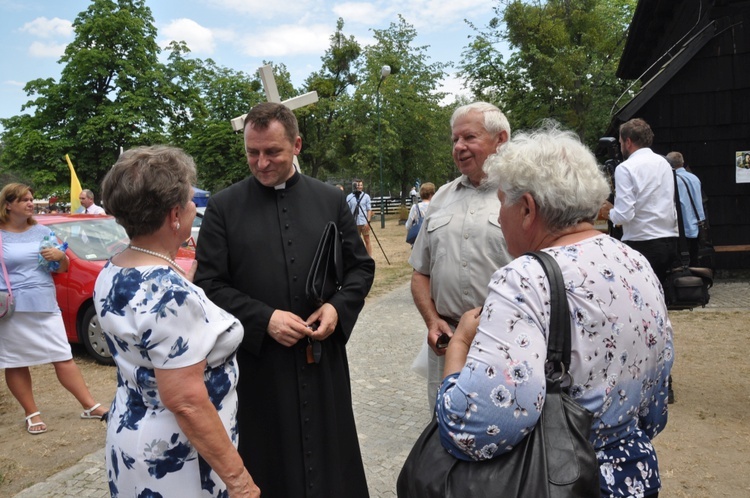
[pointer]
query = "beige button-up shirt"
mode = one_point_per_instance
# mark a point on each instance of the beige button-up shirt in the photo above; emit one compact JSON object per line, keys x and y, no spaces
{"x":460,"y":245}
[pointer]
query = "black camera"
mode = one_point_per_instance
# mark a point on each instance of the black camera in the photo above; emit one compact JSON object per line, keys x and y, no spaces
{"x":614,"y":157}
{"x":612,"y":147}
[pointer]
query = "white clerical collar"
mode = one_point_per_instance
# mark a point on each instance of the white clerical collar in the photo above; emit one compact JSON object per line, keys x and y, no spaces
{"x":280,"y":186}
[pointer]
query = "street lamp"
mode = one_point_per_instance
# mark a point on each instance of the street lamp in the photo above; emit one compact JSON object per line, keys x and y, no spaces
{"x":384,"y":72}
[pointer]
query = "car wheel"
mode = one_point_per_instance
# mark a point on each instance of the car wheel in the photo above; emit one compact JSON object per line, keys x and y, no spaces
{"x":92,"y":337}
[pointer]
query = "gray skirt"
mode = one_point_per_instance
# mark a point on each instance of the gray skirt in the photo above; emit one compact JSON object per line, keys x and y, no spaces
{"x":33,"y":338}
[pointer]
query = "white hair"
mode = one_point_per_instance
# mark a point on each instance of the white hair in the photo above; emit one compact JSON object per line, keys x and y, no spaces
{"x":559,"y":172}
{"x":494,"y":119}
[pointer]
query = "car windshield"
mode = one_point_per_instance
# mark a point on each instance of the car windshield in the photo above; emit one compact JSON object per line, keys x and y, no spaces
{"x":92,"y":239}
{"x":198,"y":219}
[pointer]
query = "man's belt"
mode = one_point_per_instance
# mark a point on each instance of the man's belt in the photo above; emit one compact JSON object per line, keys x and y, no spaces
{"x":450,"y":321}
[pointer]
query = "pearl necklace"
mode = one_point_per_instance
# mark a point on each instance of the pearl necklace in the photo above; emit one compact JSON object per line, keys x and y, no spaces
{"x":158,"y":255}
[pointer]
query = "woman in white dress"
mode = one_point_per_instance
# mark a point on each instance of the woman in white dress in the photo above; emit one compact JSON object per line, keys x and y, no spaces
{"x":172,"y":427}
{"x":35,"y":334}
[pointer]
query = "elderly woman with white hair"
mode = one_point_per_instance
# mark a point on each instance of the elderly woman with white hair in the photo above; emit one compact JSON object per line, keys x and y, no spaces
{"x":550,"y":189}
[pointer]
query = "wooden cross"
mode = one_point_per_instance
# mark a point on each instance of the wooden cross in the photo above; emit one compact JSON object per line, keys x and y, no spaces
{"x":272,"y":95}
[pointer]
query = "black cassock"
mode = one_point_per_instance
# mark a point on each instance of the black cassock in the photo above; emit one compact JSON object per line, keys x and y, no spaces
{"x":296,"y":426}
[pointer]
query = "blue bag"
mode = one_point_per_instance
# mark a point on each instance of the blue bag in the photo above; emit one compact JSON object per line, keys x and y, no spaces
{"x":411,"y":235}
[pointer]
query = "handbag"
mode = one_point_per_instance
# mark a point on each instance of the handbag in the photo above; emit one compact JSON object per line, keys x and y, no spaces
{"x":685,"y":287}
{"x":555,"y":460}
{"x":411,"y":234}
{"x":327,"y":270}
{"x":7,"y":303}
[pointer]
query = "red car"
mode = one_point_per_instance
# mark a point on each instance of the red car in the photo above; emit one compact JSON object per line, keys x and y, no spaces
{"x":92,"y":240}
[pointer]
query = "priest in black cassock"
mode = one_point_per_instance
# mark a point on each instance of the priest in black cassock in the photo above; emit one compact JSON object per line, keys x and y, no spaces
{"x":257,"y":242}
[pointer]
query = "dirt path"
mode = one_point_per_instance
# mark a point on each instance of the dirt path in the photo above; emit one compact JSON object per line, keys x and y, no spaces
{"x":704,"y":450}
{"x":702,"y":453}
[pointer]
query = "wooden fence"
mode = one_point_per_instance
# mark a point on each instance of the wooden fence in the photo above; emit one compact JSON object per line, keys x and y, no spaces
{"x":391,"y":206}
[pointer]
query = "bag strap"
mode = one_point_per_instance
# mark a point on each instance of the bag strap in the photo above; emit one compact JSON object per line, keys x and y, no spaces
{"x":358,"y":207}
{"x":5,"y":270}
{"x":690,"y":196}
{"x":559,"y":336}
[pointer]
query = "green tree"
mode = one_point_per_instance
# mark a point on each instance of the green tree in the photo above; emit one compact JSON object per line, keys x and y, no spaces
{"x":112,"y":93}
{"x":204,"y":98}
{"x":323,"y":125}
{"x":415,"y":130}
{"x":563,"y":64}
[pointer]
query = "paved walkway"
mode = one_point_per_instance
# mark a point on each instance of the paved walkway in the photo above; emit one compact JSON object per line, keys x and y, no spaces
{"x":389,"y":399}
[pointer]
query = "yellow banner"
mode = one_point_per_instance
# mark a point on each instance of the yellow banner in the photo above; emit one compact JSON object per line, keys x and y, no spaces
{"x":75,"y":187}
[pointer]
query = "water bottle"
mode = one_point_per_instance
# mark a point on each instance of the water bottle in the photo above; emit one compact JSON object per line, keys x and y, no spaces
{"x":43,"y":263}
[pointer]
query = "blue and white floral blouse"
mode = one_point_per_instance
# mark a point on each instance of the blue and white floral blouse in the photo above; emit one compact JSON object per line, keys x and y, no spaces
{"x":622,"y":354}
{"x":154,"y":318}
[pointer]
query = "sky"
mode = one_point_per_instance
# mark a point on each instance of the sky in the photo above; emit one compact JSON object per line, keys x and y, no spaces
{"x":238,"y":34}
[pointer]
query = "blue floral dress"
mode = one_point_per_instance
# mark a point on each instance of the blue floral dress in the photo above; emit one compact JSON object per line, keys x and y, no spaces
{"x":154,"y":318}
{"x":622,"y":353}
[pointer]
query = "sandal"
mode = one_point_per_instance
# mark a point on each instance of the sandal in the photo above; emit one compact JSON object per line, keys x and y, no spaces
{"x":87,"y":414}
{"x":30,"y":425}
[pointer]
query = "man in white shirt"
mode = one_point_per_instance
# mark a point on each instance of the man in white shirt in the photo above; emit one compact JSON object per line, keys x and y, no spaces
{"x":644,"y":198}
{"x":87,"y":203}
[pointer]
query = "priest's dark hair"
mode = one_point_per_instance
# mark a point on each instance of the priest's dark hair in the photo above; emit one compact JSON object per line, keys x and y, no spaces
{"x":145,"y":183}
{"x":262,"y":115}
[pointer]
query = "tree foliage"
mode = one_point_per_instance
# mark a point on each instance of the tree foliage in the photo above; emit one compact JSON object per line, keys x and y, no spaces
{"x":323,"y":125}
{"x":563,"y":63}
{"x":414,"y":128}
{"x":205,"y":97}
{"x":115,"y":93}
{"x":111,"y":94}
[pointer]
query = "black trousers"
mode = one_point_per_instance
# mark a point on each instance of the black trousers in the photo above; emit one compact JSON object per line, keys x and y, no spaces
{"x":660,"y":253}
{"x":693,"y":248}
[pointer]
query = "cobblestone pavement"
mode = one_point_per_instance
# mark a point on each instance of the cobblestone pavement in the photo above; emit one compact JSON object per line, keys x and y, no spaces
{"x":390,"y":401}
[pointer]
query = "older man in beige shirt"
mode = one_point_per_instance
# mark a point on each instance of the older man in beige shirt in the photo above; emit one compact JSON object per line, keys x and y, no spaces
{"x":460,"y":244}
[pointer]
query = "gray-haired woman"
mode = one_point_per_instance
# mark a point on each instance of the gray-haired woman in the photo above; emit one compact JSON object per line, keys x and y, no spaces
{"x":551,"y":189}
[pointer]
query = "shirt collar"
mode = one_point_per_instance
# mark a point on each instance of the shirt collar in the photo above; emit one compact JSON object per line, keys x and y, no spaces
{"x":291,"y":182}
{"x":464,"y":182}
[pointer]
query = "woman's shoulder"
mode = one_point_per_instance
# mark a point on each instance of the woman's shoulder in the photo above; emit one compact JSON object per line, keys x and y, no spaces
{"x":34,"y":233}
{"x":40,"y":229}
{"x":154,"y":287}
{"x":155,"y":280}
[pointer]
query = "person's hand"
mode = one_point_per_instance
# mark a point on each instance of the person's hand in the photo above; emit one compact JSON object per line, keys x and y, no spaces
{"x":605,"y":209}
{"x":434,"y":331}
{"x":286,"y":328}
{"x":326,"y":317}
{"x":458,"y":348}
{"x":467,"y":328}
{"x":190,"y":275}
{"x":243,"y":487}
{"x":366,"y":229}
{"x":52,"y":254}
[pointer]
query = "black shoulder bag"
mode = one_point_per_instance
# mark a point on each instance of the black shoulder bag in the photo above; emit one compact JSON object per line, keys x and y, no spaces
{"x":555,"y":460}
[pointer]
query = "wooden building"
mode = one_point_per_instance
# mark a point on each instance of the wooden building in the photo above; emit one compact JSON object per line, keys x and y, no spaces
{"x":692,"y":59}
